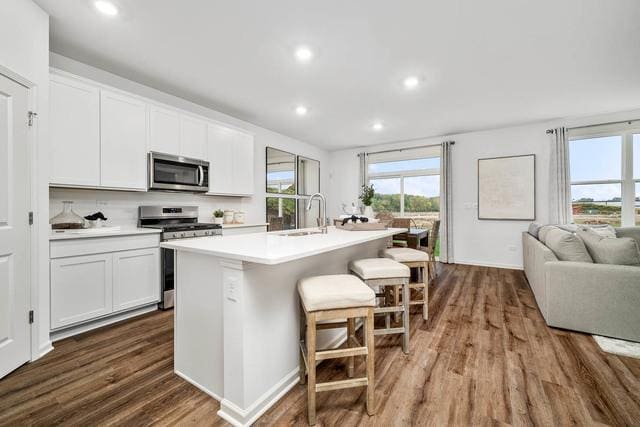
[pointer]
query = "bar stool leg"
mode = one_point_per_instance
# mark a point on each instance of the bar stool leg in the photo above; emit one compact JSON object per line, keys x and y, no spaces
{"x":371,"y":383}
{"x":351,"y":333}
{"x":311,"y":360}
{"x":405,"y":316}
{"x":303,"y":331}
{"x":425,"y":281}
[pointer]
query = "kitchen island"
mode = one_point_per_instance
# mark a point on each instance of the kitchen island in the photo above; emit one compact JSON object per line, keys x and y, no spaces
{"x":237,"y":310}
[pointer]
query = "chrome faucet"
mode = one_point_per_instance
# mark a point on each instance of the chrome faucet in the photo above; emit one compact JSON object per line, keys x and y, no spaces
{"x":323,"y":219}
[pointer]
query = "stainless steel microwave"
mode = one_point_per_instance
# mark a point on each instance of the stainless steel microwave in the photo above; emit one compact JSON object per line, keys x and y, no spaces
{"x":176,"y":173}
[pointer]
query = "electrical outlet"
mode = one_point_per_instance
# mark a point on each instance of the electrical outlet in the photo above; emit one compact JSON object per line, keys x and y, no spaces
{"x":232,"y":289}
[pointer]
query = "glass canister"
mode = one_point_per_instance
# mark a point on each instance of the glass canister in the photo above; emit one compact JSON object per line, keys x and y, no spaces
{"x":67,"y":219}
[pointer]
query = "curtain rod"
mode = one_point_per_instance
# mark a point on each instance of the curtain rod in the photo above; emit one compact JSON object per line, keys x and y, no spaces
{"x":598,"y":124}
{"x":407,"y":148}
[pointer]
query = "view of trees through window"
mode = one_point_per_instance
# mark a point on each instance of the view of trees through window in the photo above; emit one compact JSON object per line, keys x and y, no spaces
{"x":407,"y":188}
{"x":599,"y":182}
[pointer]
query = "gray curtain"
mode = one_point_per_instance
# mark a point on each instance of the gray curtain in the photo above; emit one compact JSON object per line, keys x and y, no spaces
{"x":446,"y":204}
{"x":559,"y":180}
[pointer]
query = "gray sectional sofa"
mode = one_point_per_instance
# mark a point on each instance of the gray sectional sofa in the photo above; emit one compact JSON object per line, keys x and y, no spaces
{"x":582,"y":294}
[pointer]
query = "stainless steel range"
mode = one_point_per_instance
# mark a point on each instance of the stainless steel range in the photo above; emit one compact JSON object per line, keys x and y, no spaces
{"x":176,"y":222}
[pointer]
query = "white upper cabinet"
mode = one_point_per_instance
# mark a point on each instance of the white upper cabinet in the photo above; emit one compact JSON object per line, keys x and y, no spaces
{"x":123,"y":136}
{"x":193,"y":138}
{"x":164,"y":132}
{"x":74,"y":108}
{"x":231,"y":161}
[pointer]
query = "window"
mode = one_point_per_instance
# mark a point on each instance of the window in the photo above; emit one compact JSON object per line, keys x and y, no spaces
{"x":407,"y":184}
{"x":605,"y":172}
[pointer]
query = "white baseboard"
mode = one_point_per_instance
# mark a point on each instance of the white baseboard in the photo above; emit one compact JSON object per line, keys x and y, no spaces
{"x":98,"y":323}
{"x":489,"y":264}
{"x":245,"y":417}
{"x":44,"y":349}
{"x":195,"y":383}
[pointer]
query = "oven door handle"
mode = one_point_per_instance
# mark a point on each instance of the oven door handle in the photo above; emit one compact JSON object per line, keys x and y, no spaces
{"x":201,"y":173}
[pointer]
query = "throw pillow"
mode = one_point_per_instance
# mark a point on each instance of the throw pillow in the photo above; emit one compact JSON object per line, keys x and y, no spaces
{"x":633,"y":232}
{"x":605,"y":231}
{"x":542,"y":233}
{"x":567,"y":246}
{"x":534,"y":227}
{"x":620,"y":251}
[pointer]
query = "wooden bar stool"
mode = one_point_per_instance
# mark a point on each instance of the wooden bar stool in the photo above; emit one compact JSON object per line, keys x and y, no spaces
{"x":413,"y":258}
{"x":326,"y":301}
{"x":385,"y":273}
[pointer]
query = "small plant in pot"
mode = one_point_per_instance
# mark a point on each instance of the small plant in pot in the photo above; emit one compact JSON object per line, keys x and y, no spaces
{"x":366,"y":197}
{"x":218,"y":216}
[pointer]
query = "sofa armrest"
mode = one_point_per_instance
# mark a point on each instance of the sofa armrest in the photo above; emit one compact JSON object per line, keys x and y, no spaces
{"x":602,"y":299}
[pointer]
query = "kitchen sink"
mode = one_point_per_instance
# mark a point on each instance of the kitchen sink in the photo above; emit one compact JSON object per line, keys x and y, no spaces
{"x":301,"y":233}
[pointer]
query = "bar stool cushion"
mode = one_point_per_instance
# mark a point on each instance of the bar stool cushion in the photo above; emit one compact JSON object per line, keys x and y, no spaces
{"x":334,"y":292}
{"x":405,"y":255}
{"x":379,"y":268}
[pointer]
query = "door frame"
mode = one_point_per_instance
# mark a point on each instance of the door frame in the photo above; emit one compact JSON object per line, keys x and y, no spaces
{"x":34,"y":235}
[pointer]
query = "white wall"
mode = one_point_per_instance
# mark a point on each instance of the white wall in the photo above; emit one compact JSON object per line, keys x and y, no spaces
{"x":24,"y":51}
{"x":123,"y":206}
{"x":492,"y":243}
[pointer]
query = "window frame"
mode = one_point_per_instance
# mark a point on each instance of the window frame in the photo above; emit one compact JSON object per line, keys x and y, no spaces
{"x":402,"y":175}
{"x":626,"y":181}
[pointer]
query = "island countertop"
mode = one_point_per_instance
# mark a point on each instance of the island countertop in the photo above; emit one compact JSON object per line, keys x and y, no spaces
{"x":275,"y":247}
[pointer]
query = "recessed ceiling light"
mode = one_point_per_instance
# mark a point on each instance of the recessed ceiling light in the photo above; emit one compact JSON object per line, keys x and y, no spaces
{"x":411,"y":82}
{"x":377,"y":126}
{"x":106,"y":7}
{"x":304,"y":54}
{"x":301,"y":110}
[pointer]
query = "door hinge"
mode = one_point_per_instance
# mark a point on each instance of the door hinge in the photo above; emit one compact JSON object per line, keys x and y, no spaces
{"x":30,"y":316}
{"x":32,"y":115}
{"x":30,"y":218}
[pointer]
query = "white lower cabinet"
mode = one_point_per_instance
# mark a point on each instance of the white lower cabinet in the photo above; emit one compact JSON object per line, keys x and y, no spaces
{"x":80,"y":289}
{"x":88,"y":287}
{"x":136,"y":278}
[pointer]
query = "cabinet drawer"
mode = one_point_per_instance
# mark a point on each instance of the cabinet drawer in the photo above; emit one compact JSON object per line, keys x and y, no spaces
{"x":97,"y":245}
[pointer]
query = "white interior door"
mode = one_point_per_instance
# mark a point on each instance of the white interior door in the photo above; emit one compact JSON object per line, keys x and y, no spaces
{"x":14,"y":226}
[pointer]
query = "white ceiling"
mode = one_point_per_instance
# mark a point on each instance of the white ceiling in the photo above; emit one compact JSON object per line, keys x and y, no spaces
{"x":484,"y":64}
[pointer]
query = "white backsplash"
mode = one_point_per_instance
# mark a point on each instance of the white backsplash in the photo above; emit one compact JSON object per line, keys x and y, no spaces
{"x":121,"y":207}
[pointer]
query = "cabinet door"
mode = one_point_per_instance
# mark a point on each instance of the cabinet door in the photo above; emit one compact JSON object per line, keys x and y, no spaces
{"x":123,"y":141}
{"x":164,"y":130}
{"x":80,"y":289}
{"x":220,"y":154}
{"x":136,"y":278}
{"x":74,"y":109}
{"x":193,"y":138}
{"x":243,"y":163}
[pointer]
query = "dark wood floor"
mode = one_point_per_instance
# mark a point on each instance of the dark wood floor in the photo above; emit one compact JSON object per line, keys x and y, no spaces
{"x":484,"y":357}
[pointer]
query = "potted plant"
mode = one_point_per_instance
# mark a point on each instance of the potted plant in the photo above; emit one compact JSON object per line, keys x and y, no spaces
{"x":218,"y":216}
{"x":366,"y":196}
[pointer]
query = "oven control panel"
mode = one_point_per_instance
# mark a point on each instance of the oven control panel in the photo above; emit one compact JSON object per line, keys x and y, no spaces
{"x":173,"y":235}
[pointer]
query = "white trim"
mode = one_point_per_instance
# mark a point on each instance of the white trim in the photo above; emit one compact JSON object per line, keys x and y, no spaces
{"x":195,"y":383}
{"x":59,"y":334}
{"x":239,"y":417}
{"x":44,"y":349}
{"x":490,"y":264}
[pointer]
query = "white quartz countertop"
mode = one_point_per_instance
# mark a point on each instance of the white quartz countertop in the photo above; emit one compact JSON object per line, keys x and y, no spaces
{"x":258,"y":224}
{"x":89,"y":233}
{"x":273,"y":247}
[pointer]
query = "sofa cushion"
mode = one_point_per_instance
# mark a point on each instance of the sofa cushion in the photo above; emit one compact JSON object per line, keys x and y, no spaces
{"x":542,"y":233}
{"x":620,"y":251}
{"x":534,"y":228}
{"x":567,"y":246}
{"x":633,"y":232}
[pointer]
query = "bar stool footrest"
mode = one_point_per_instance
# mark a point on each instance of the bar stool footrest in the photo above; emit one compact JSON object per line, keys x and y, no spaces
{"x":341,"y":352}
{"x":388,"y":331}
{"x":338,"y":385}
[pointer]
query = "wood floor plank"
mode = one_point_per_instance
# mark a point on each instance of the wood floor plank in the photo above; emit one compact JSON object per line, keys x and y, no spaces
{"x":484,"y":357}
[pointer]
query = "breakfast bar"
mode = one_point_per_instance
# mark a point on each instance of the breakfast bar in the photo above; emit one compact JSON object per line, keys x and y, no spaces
{"x":237,"y":310}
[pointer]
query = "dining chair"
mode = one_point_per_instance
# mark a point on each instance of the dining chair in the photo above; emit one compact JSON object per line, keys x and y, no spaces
{"x":401,"y":240}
